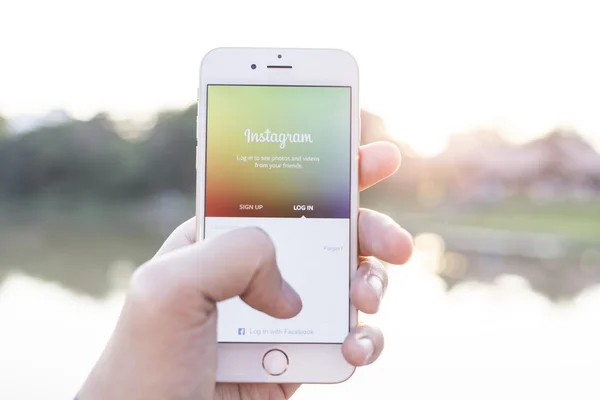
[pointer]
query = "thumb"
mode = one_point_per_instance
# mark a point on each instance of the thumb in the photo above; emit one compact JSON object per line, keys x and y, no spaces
{"x":237,"y":263}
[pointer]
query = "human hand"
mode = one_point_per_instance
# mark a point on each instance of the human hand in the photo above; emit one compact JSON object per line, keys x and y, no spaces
{"x":164,"y":345}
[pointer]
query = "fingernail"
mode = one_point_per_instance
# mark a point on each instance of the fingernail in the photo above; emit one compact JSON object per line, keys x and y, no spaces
{"x":377,"y":284}
{"x":368,"y":348}
{"x":290,"y":295}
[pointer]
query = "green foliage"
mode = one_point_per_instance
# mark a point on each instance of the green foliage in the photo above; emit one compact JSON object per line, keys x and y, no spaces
{"x":90,"y":159}
{"x":3,"y":128}
{"x":170,"y":152}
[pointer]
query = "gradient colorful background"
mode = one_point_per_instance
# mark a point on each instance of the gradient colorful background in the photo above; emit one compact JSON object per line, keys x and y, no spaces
{"x":324,"y":112}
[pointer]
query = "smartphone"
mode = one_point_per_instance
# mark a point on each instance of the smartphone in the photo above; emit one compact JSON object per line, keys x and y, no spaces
{"x":278,"y":137}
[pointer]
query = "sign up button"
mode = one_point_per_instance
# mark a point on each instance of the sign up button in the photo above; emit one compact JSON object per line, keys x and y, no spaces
{"x":251,"y":207}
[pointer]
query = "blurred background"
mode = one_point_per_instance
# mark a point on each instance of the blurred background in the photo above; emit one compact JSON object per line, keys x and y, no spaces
{"x":494,"y":105}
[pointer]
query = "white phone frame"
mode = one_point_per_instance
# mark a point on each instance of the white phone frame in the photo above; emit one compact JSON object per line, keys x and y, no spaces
{"x":308,"y":363}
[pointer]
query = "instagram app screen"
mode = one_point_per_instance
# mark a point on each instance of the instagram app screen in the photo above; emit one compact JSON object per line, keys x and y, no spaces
{"x":278,"y":157}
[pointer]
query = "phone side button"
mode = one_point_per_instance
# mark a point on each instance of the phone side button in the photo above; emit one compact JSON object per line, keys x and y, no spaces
{"x":275,"y":362}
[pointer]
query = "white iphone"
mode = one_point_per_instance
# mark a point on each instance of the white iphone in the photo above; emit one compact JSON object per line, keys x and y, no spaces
{"x":278,"y":137}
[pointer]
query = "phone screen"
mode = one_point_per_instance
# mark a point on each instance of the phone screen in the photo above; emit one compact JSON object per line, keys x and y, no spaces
{"x":279,"y":157}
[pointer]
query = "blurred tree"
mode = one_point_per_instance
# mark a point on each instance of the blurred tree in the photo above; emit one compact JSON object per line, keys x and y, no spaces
{"x":3,"y":128}
{"x":377,"y":131}
{"x":3,"y":150}
{"x":72,"y":159}
{"x":170,"y":152}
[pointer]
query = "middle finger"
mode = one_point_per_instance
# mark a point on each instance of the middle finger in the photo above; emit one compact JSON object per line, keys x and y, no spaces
{"x":368,"y":286}
{"x":380,"y":236}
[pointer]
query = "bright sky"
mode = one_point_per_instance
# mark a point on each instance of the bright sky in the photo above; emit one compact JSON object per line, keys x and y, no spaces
{"x":430,"y":68}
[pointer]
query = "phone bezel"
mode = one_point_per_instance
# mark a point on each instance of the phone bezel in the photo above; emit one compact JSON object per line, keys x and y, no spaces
{"x":308,"y":363}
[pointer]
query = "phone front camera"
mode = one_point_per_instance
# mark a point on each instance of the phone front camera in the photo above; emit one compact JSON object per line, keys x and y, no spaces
{"x":253,"y":66}
{"x":278,"y":55}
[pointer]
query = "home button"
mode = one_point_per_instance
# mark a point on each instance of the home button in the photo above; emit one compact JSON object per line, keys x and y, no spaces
{"x":275,"y":362}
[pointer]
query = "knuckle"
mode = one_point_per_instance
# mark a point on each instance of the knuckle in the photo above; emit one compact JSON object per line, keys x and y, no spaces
{"x":153,"y":292}
{"x":375,"y":267}
{"x":188,"y":230}
{"x":261,"y":247}
{"x":141,"y":286}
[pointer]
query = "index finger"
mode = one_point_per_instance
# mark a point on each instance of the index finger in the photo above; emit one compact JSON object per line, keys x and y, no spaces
{"x":377,"y":161}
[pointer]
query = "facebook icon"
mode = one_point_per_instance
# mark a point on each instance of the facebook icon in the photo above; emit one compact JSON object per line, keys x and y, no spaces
{"x":241,"y":331}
